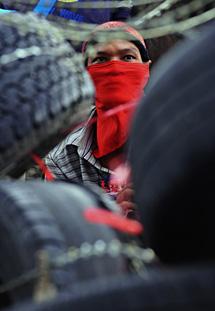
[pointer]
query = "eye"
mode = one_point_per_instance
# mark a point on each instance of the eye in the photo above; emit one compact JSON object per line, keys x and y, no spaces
{"x":99,"y":59}
{"x":129,"y":58}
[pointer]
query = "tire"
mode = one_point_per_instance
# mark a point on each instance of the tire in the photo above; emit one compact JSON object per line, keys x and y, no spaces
{"x":18,"y":6}
{"x":172,"y":153}
{"x":41,"y":95}
{"x":49,"y":216}
{"x":181,"y":289}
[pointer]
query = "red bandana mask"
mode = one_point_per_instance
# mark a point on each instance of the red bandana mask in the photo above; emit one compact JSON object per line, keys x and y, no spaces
{"x":117,"y":83}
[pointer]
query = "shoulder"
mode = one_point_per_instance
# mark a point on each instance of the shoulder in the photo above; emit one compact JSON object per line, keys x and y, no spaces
{"x":65,"y":147}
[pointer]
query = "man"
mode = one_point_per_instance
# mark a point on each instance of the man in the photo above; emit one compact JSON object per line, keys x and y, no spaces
{"x":119,"y":69}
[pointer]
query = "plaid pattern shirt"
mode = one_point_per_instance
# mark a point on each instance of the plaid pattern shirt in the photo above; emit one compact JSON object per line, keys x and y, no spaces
{"x":72,"y":160}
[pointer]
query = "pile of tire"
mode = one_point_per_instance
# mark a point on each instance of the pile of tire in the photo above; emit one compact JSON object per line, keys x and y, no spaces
{"x":172,"y":153}
{"x":47,"y":243}
{"x":186,"y":288}
{"x":44,"y":89}
{"x":48,"y":220}
{"x":52,"y":256}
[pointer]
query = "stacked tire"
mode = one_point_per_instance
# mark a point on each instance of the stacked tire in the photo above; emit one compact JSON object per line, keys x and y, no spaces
{"x":44,"y":89}
{"x":48,"y":218}
{"x":172,"y":153}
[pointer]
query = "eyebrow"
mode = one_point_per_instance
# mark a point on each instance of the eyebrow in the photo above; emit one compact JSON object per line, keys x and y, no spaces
{"x":101,"y":52}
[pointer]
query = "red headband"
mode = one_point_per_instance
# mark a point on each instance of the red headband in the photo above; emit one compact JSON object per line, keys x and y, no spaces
{"x":114,"y":25}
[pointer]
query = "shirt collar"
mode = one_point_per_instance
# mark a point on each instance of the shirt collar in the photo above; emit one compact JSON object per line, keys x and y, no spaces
{"x":82,"y":137}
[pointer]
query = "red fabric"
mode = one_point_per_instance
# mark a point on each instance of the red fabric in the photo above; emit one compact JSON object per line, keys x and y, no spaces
{"x":117,"y":83}
{"x":118,"y":222}
{"x":43,"y":167}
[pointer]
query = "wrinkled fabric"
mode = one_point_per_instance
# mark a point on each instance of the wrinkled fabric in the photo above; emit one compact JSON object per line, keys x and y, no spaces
{"x":118,"y":86}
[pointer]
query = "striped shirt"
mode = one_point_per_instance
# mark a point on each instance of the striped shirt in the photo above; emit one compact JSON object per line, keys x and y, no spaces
{"x":72,"y":160}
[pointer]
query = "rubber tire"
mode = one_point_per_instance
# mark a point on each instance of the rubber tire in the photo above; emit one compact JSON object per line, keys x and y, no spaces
{"x":172,"y":153}
{"x":18,"y":6}
{"x":41,"y":95}
{"x":49,"y":216}
{"x":180,"y":289}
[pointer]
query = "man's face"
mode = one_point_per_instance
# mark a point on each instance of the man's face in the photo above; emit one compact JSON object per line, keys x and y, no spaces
{"x":122,"y":50}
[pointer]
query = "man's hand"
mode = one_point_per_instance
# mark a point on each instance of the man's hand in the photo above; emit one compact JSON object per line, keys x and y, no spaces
{"x":125,"y":199}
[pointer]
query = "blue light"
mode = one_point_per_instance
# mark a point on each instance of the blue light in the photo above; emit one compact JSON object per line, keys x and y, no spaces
{"x":6,"y":11}
{"x":44,"y":6}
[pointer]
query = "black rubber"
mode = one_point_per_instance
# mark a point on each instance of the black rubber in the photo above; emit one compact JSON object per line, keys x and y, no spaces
{"x":44,"y":89}
{"x":18,"y":5}
{"x":179,"y":289}
{"x":172,"y":153}
{"x":49,"y":216}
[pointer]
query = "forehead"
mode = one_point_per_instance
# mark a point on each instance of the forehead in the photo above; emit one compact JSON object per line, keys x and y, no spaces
{"x":115,"y":46}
